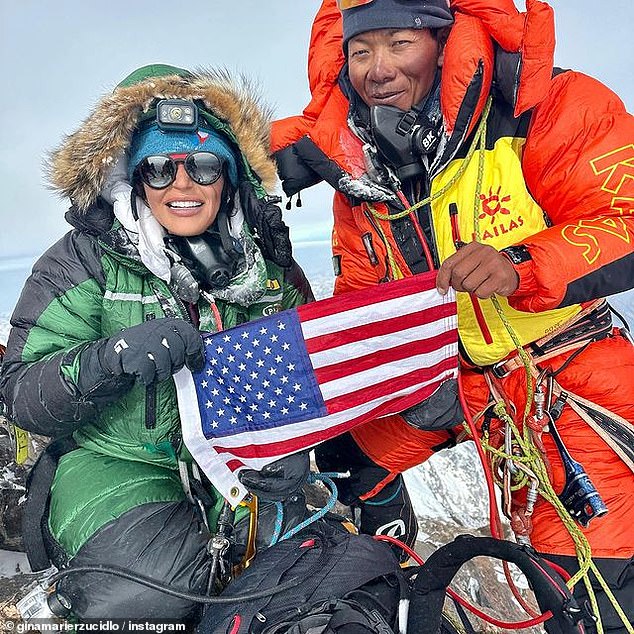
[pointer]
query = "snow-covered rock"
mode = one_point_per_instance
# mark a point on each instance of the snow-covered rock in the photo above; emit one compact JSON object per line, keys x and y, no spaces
{"x":450,"y":487}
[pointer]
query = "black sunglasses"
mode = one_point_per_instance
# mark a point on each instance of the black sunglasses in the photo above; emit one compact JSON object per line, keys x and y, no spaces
{"x":159,"y":171}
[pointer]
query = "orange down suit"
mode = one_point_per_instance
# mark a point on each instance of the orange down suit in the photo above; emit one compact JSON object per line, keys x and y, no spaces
{"x":556,"y":183}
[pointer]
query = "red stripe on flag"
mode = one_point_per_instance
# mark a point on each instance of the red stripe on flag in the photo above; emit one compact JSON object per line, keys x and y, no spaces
{"x":379,"y":328}
{"x":291,"y":445}
{"x":235,"y":464}
{"x":406,"y":350}
{"x":389,"y":386}
{"x":357,"y":299}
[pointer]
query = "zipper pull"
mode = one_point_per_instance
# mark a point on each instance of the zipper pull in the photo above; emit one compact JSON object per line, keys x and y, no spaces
{"x":455,"y":232}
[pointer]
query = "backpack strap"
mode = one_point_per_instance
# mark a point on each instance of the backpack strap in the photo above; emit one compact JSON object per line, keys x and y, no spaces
{"x":247,"y":617}
{"x":430,"y":586}
{"x":350,"y":612}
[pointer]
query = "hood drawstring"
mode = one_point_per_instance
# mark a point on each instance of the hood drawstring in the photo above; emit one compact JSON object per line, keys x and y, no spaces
{"x":298,"y":202}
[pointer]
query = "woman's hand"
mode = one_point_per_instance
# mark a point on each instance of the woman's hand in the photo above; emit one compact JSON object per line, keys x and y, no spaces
{"x":151,"y":351}
{"x":154,"y":350}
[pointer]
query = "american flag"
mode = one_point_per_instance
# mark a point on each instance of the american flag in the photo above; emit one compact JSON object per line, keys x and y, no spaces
{"x":287,"y":382}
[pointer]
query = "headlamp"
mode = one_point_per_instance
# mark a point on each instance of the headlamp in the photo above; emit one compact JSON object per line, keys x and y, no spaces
{"x":177,"y":115}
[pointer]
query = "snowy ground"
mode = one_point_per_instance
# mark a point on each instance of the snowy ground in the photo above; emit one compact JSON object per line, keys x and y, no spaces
{"x":12,"y":563}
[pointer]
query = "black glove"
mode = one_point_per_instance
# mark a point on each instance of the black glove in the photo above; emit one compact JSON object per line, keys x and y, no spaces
{"x":265,"y":219}
{"x":278,"y":480}
{"x":441,"y":410}
{"x":154,"y":350}
{"x":151,"y":351}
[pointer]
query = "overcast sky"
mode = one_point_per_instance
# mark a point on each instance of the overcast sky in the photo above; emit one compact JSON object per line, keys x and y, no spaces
{"x":58,"y":58}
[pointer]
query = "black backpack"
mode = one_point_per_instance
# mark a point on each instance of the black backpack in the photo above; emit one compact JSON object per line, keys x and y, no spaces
{"x":332,"y":582}
{"x":434,"y":576}
{"x":337,"y":583}
{"x":338,"y":616}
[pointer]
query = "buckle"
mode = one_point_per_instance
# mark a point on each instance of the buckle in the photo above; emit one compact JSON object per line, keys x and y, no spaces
{"x":499,"y":370}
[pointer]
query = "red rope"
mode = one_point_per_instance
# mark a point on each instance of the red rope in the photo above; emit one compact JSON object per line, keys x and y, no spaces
{"x":516,"y":593}
{"x":494,"y":517}
{"x":463,"y":602}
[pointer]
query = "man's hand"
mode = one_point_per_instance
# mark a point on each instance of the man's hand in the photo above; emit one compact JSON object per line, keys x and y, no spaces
{"x":479,"y":269}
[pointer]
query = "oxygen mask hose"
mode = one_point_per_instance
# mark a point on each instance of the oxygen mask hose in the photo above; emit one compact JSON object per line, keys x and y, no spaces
{"x":160,"y":586}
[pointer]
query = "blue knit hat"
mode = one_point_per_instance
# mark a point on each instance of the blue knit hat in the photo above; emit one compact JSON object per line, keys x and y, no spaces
{"x":395,"y":14}
{"x":152,"y":140}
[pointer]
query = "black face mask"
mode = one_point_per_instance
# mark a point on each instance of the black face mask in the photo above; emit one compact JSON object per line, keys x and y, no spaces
{"x":212,"y":259}
{"x":402,"y":138}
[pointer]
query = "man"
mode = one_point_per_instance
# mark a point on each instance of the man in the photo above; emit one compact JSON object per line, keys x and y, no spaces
{"x":453,"y":144}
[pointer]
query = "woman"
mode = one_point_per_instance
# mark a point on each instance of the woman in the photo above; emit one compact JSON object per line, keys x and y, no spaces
{"x":191,"y":242}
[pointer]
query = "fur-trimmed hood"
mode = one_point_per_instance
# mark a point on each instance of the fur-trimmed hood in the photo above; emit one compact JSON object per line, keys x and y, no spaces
{"x":78,"y":169}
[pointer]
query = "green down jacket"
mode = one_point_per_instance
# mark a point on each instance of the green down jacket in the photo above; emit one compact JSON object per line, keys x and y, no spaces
{"x":81,"y":291}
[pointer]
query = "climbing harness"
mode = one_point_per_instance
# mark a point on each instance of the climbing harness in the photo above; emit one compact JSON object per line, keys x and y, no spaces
{"x":525,"y":452}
